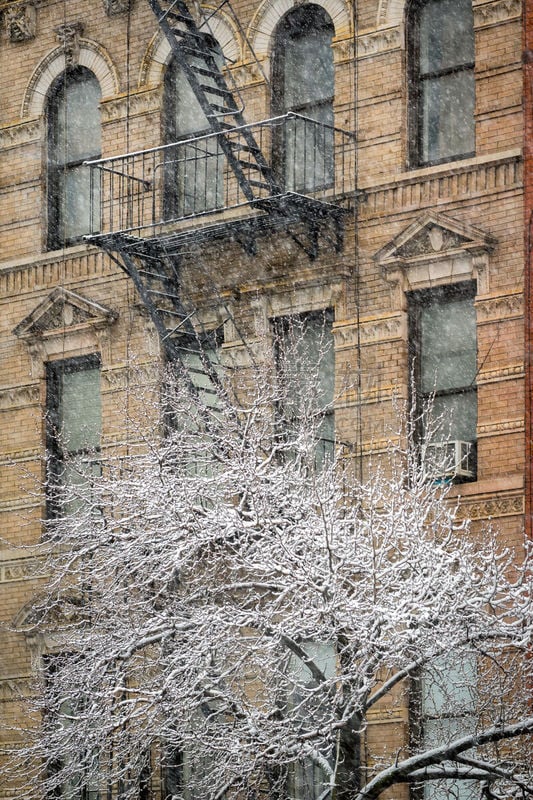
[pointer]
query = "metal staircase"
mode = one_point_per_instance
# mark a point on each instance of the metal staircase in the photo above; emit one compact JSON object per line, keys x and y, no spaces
{"x":149,"y":248}
{"x":194,"y":52}
{"x":187,"y":346}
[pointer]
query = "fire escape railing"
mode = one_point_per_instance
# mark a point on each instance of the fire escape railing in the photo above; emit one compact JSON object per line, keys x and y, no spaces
{"x":143,"y":192}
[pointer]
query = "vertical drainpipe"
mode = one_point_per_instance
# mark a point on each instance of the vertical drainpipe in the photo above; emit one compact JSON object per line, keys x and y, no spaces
{"x":527,"y":60}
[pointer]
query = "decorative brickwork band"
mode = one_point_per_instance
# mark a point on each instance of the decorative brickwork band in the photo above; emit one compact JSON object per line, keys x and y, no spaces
{"x":490,"y":508}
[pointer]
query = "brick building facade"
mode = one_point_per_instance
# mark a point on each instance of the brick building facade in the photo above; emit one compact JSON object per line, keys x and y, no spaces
{"x":424,"y":210}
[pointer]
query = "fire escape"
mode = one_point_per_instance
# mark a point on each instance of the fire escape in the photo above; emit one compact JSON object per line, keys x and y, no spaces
{"x":150,"y":207}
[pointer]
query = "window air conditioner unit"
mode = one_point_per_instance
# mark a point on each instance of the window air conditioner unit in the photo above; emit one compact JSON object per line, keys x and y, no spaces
{"x":449,"y":460}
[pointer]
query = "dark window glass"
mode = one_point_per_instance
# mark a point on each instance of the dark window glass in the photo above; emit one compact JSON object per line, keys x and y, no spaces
{"x":306,"y":371}
{"x":74,"y":424}
{"x":444,"y":351}
{"x":74,"y":136}
{"x":194,"y":171}
{"x":441,"y":34}
{"x":303,"y":82}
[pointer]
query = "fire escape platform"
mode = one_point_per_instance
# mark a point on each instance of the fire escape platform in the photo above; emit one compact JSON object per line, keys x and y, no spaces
{"x":296,"y":213}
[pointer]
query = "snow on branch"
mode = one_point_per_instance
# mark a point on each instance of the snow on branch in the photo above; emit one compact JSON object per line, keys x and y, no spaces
{"x":245,"y":607}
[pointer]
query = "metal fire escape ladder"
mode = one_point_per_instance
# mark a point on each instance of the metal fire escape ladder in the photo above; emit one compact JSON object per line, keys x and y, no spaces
{"x":193,"y":50}
{"x":187,"y":346}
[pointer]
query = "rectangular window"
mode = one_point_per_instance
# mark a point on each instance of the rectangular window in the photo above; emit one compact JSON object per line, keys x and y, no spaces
{"x":73,"y":776}
{"x":305,"y":362}
{"x":441,"y":49}
{"x":448,"y":710}
{"x":307,"y":780}
{"x":444,"y":366}
{"x":73,"y":429}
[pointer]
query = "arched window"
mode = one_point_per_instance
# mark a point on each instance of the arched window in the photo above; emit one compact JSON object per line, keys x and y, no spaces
{"x":303,"y":82}
{"x":74,"y":136}
{"x":193,"y":171}
{"x":441,"y":80}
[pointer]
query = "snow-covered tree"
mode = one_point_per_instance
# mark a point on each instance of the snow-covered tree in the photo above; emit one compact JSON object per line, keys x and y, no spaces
{"x":225,"y":616}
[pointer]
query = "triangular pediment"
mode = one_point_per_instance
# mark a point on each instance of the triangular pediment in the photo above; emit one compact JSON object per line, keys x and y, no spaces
{"x":433,"y":236}
{"x":63,"y":310}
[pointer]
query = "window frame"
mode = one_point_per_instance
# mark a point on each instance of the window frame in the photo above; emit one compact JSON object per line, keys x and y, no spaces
{"x":50,"y":665}
{"x":56,"y":455}
{"x":283,"y":36}
{"x":175,"y":202}
{"x":418,"y":399}
{"x":415,"y":80}
{"x":419,"y":718}
{"x":281,"y":326}
{"x":58,"y":165}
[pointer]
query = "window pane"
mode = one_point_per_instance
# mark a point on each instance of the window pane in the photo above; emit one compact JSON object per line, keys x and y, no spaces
{"x":309,"y":75}
{"x":446,"y":35}
{"x":448,"y":345}
{"x":75,"y":201}
{"x":303,"y":82}
{"x":81,"y":410}
{"x":194,"y":174}
{"x":449,"y":686}
{"x":306,"y":353}
{"x":309,"y":152}
{"x":78,"y":119}
{"x":199,"y":177}
{"x":454,"y":417}
{"x":183,"y":113}
{"x":447,"y":108}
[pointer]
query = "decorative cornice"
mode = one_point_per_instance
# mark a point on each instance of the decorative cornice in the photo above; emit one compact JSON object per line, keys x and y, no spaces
{"x":500,"y":428}
{"x":14,"y":688}
{"x":19,"y":457}
{"x":21,"y":22}
{"x":343,"y":50}
{"x":381,"y":41}
{"x":509,"y":373}
{"x":19,"y":396}
{"x":487,"y":14}
{"x":19,"y":570}
{"x":146,"y":374}
{"x":432,"y":236}
{"x":494,"y":309}
{"x":432,"y":186}
{"x":379,"y":329}
{"x":60,"y":311}
{"x":136,"y":104}
{"x":22,"y":133}
{"x":510,"y":506}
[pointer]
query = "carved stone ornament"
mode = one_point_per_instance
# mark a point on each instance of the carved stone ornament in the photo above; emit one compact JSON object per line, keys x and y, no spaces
{"x":436,"y":249}
{"x":68,"y":36}
{"x":21,"y":22}
{"x":113,"y":7}
{"x":60,"y":310}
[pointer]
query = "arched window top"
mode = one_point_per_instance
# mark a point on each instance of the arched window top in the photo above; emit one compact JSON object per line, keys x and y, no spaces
{"x":73,"y":99}
{"x":74,"y":136}
{"x":303,"y":82}
{"x":303,"y":70}
{"x":441,"y":80}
